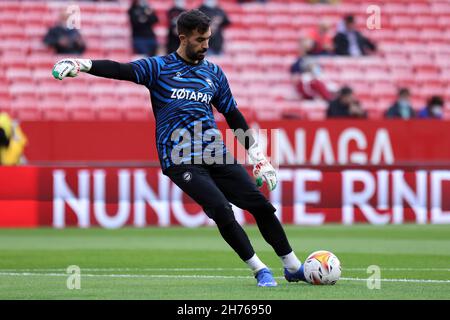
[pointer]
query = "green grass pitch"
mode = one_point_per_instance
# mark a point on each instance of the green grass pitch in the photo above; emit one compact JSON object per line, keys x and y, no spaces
{"x":187,"y":264}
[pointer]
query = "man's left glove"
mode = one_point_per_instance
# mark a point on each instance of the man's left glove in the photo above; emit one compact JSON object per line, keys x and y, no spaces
{"x":262,"y":169}
{"x":70,"y":68}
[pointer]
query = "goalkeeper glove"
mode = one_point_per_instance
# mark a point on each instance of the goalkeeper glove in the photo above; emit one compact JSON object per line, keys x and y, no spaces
{"x":70,"y":68}
{"x":262,"y":169}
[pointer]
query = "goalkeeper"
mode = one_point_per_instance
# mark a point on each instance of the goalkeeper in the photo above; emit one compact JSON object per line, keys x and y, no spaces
{"x":183,"y":86}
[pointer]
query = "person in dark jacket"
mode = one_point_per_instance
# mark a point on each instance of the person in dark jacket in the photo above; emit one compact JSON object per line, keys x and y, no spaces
{"x":64,"y":38}
{"x":434,"y":109}
{"x":402,"y":107}
{"x":172,"y":37}
{"x":142,"y":19}
{"x":350,"y":42}
{"x":345,"y":106}
{"x":219,"y":21}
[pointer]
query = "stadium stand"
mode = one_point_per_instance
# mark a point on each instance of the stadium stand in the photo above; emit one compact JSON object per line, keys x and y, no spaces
{"x":260,"y":46}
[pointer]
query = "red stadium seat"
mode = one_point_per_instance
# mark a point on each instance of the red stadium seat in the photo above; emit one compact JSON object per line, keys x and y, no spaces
{"x":82,"y":113}
{"x":26,"y":109}
{"x":428,"y":90}
{"x":55,"y":114}
{"x":137,"y":113}
{"x":109,"y":113}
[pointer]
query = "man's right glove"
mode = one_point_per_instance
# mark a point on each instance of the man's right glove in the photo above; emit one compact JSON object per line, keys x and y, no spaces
{"x":262,"y":169}
{"x":70,"y":67}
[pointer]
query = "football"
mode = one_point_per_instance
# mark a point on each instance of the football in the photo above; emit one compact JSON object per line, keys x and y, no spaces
{"x":322,"y":268}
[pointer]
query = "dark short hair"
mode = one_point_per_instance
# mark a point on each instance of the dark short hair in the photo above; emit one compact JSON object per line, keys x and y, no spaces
{"x":403,"y":91}
{"x":435,"y":100}
{"x":349,"y":18}
{"x":192,"y":20}
{"x":345,"y":91}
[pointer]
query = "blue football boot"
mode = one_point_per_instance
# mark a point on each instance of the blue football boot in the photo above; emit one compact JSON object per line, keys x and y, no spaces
{"x":265,"y":278}
{"x":295,"y":277}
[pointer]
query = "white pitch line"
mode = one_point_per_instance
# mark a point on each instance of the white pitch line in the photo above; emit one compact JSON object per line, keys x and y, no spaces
{"x":198,"y":276}
{"x":399,"y":280}
{"x":124,"y":275}
{"x":211,"y":269}
{"x":131,"y":269}
{"x":399,"y":269}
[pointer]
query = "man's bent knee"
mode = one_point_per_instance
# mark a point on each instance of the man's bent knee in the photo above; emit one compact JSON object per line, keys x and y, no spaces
{"x":221,"y":214}
{"x":264,"y":209}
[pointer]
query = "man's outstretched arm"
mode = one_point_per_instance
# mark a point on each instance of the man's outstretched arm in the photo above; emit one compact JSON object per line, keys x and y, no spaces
{"x":236,"y":121}
{"x":262,"y":169}
{"x":101,"y":68}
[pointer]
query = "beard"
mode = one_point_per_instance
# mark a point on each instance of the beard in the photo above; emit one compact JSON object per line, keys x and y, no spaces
{"x":195,"y":55}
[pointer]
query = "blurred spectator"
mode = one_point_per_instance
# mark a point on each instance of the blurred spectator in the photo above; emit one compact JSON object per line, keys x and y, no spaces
{"x":324,"y":1}
{"x":345,"y":106}
{"x":402,"y":107}
{"x":64,"y":39}
{"x":321,"y":41}
{"x":248,"y":1}
{"x":12,"y":141}
{"x":142,"y":19}
{"x":306,"y":75}
{"x":350,"y":42}
{"x":356,"y":110}
{"x":219,"y":20}
{"x":433,"y":110}
{"x":172,"y":38}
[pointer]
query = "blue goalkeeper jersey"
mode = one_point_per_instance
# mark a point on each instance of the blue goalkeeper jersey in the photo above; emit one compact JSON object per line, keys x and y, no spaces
{"x":182,"y":96}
